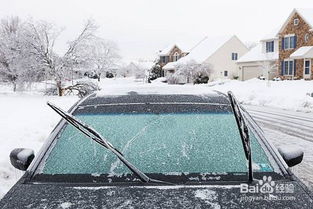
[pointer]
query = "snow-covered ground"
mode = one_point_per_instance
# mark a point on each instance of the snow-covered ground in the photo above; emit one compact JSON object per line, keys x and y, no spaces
{"x":26,"y":120}
{"x":290,"y":95}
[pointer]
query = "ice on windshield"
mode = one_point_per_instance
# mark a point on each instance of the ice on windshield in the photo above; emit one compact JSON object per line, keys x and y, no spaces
{"x":155,"y":143}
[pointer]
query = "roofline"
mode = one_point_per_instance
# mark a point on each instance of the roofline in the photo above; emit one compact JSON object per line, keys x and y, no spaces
{"x":289,"y":17}
{"x":262,"y":60}
{"x":171,"y":50}
{"x":231,"y":37}
{"x":269,"y":39}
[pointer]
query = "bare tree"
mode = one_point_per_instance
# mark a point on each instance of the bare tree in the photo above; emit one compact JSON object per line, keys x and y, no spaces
{"x":268,"y":68}
{"x":41,"y":38}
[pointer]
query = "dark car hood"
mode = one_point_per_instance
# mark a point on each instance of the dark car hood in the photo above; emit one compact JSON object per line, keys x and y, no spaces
{"x":67,"y":196}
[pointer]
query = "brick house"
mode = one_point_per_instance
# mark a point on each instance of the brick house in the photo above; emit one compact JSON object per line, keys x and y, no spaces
{"x":171,"y":53}
{"x":296,"y":46}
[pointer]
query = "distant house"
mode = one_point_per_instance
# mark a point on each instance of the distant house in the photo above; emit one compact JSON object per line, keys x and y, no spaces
{"x":220,"y":53}
{"x":139,"y":68}
{"x":262,"y":60}
{"x":296,"y":45}
{"x":171,"y":53}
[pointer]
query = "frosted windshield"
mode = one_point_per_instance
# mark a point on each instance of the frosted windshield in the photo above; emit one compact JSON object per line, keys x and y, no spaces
{"x":155,"y":143}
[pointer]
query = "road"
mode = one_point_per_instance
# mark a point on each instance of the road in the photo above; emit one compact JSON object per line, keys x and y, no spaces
{"x":284,"y":127}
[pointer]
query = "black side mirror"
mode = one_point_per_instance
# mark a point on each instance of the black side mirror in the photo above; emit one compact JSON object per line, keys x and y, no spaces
{"x":292,"y":155}
{"x":21,"y":158}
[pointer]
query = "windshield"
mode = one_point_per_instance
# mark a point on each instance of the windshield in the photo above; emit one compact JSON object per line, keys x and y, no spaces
{"x":167,"y":143}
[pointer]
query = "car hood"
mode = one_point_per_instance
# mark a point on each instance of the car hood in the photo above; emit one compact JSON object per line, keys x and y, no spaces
{"x":70,"y":196}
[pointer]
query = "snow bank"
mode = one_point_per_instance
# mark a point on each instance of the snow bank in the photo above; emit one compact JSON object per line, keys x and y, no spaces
{"x":26,"y":122}
{"x":290,"y":95}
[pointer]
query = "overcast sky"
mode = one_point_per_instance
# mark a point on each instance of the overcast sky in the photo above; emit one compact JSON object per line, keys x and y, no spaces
{"x":142,"y":27}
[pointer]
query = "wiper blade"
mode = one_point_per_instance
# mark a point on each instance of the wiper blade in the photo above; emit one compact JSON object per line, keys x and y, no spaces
{"x":244,"y":132}
{"x":95,"y":136}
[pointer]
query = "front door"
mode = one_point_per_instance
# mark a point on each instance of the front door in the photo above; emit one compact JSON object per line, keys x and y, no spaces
{"x":307,"y":69}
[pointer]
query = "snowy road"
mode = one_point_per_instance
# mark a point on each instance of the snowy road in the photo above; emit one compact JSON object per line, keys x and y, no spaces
{"x":284,"y":127}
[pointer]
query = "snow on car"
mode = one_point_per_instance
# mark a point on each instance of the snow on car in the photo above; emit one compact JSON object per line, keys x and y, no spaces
{"x":157,"y":150}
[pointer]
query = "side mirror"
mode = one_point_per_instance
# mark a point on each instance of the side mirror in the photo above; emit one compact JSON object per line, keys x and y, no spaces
{"x":292,"y":155}
{"x":21,"y":158}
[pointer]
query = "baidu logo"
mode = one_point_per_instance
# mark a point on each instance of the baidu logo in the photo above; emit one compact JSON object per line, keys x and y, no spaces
{"x":266,"y":185}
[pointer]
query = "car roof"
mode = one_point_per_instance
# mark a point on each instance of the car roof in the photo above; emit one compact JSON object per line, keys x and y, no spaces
{"x":158,"y":103}
{"x":134,"y":97}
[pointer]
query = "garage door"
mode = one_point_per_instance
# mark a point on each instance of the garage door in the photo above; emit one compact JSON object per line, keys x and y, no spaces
{"x":248,"y":72}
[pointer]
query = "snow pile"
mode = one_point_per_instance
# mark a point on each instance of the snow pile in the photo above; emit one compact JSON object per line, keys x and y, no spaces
{"x":290,"y":95}
{"x":65,"y":205}
{"x":209,"y":196}
{"x":26,"y":122}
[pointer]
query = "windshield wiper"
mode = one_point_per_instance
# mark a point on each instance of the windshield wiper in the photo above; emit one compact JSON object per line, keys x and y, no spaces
{"x":95,"y":136}
{"x":244,"y":133}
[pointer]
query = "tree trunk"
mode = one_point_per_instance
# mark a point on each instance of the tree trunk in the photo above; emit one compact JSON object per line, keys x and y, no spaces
{"x":59,"y":87}
{"x":14,"y":86}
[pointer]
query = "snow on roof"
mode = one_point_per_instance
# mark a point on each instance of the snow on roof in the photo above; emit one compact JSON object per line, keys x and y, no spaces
{"x":256,"y":54}
{"x":303,"y":52}
{"x":201,"y":52}
{"x":167,"y":49}
{"x":271,"y":36}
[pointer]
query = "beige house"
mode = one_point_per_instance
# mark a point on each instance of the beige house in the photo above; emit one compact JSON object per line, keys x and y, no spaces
{"x":220,"y":53}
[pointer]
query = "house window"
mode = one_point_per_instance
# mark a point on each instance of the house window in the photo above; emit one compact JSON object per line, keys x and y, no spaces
{"x":175,"y":57}
{"x":296,"y":21}
{"x":288,"y":67}
{"x":307,"y":64}
{"x":270,"y":46}
{"x":164,"y":59}
{"x":234,"y":56}
{"x":225,"y":73}
{"x":289,"y":42}
{"x":306,"y":37}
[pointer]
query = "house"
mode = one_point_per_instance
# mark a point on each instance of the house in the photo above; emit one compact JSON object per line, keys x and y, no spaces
{"x":296,"y":45}
{"x":262,"y":60}
{"x":220,"y":53}
{"x":139,"y":68}
{"x":171,"y":53}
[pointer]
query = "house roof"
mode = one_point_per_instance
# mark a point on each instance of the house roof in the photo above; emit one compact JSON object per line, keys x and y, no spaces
{"x":271,"y":36}
{"x":201,"y":51}
{"x":167,"y":49}
{"x":256,"y":55}
{"x":305,"y":13}
{"x":303,"y":52}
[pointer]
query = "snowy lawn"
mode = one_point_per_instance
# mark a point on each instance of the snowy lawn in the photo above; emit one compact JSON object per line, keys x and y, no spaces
{"x":291,"y":95}
{"x":26,"y":120}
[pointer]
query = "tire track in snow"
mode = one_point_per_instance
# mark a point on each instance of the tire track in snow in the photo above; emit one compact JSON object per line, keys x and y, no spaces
{"x":289,"y":128}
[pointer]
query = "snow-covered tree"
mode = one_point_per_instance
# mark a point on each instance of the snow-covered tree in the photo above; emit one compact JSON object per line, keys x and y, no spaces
{"x":15,"y":62}
{"x":103,"y":56}
{"x":41,"y":37}
{"x":191,"y":72}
